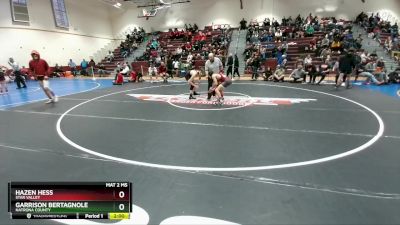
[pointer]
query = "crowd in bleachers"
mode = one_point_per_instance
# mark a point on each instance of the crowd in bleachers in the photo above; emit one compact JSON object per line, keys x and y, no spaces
{"x":180,"y":50}
{"x":302,"y":48}
{"x":309,"y":47}
{"x":288,"y":42}
{"x":383,"y":31}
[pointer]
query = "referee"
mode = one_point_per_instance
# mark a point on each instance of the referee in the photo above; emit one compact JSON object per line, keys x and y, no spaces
{"x":17,"y":72}
{"x":213,"y":66}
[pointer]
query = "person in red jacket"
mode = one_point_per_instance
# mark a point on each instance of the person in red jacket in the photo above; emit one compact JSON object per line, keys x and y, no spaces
{"x":39,"y":69}
{"x":119,"y":80}
{"x":133,"y":77}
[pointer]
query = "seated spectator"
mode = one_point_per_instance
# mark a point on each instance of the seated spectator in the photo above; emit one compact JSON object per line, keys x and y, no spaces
{"x":268,"y":74}
{"x":189,"y":59}
{"x":58,"y":71}
{"x":298,"y":73}
{"x":336,"y":46}
{"x":133,"y":77}
{"x":308,"y":61}
{"x":325,"y":53}
{"x":154,"y":44}
{"x":278,"y":35}
{"x":72,"y":67}
{"x":366,"y":70}
{"x":125,"y":69}
{"x":119,"y":79}
{"x":394,"y":30}
{"x":279,"y":75}
{"x":101,"y":69}
{"x":389,"y":44}
{"x":310,"y":31}
{"x":394,"y":77}
{"x":380,"y":70}
{"x":179,"y":52}
{"x":110,"y":56}
{"x":322,"y":71}
{"x":153,"y":73}
{"x":187,"y":47}
{"x":313,"y":45}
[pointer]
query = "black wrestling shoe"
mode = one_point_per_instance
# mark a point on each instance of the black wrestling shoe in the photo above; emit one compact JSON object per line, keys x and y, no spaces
{"x":191,"y":97}
{"x":195,"y":93}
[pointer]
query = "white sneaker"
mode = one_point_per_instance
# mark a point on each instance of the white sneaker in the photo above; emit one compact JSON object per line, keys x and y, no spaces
{"x":55,"y":99}
{"x":49,"y":101}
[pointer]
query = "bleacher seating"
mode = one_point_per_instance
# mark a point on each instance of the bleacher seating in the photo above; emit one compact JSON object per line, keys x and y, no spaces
{"x":172,"y":44}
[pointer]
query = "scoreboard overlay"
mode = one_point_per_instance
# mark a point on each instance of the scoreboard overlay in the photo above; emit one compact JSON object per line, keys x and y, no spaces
{"x":70,"y":200}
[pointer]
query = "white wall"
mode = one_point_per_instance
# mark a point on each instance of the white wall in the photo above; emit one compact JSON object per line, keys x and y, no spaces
{"x":206,"y":12}
{"x":95,"y":24}
{"x":90,"y":30}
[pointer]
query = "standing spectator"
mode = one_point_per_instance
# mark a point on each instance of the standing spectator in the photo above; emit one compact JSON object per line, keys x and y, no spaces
{"x":3,"y":82}
{"x":346,"y":67}
{"x":176,"y":65}
{"x":40,"y":69}
{"x":256,"y":63}
{"x":308,"y":61}
{"x":230,"y":65}
{"x":19,"y":79}
{"x":189,"y":59}
{"x":236,"y":66}
{"x":84,"y":67}
{"x":162,"y":71}
{"x":243,"y":24}
{"x":92,"y":65}
{"x":170,"y":67}
{"x":72,"y":67}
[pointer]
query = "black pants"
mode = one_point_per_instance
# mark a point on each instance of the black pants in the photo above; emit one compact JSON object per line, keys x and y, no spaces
{"x":19,"y":79}
{"x":255,"y":73}
{"x":337,"y":78}
{"x":229,"y":72}
{"x":315,"y":77}
{"x":210,"y":84}
{"x":236,"y":71}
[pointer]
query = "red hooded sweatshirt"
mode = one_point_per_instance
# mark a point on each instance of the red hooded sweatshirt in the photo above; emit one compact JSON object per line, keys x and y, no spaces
{"x":38,"y":67}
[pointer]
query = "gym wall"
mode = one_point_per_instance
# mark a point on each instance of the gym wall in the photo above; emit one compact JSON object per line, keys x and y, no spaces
{"x":206,"y":12}
{"x":90,"y":30}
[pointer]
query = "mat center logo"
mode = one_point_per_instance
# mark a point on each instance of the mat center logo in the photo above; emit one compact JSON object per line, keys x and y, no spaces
{"x":230,"y":102}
